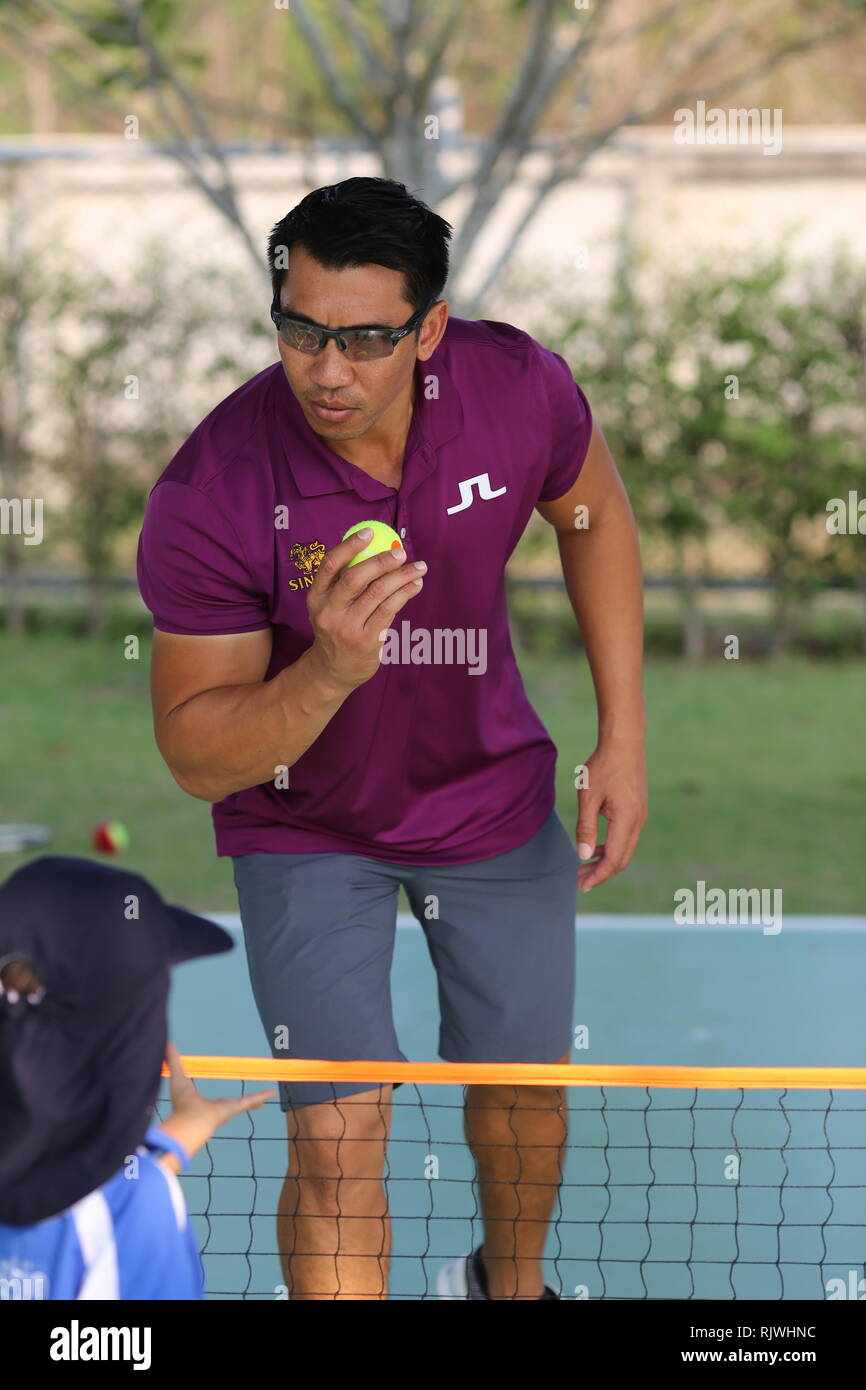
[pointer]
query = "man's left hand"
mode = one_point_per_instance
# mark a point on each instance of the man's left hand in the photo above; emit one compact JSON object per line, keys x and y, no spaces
{"x":617,"y":791}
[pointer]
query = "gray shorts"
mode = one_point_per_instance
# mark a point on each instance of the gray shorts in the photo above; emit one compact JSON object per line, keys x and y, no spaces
{"x":319,"y":934}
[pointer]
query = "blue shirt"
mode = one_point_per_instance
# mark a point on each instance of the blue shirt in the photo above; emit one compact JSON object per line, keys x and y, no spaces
{"x":130,"y":1239}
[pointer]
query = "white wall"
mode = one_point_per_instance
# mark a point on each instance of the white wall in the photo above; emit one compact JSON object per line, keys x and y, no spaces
{"x":108,"y":195}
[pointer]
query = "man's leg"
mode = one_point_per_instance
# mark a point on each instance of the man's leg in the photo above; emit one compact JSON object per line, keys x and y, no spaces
{"x":319,"y":936}
{"x":503,"y":945}
{"x":333,"y":1228}
{"x":517,"y":1136}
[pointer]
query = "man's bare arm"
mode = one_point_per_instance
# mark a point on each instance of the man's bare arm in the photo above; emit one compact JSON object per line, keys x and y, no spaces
{"x":221,"y":727}
{"x":602,"y":570}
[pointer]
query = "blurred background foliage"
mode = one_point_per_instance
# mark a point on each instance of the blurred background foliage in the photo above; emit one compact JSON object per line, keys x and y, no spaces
{"x":733,"y":398}
{"x":255,"y":81}
{"x":731,"y":392}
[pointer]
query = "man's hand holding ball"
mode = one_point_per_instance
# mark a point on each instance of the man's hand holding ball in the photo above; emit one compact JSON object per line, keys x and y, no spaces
{"x":359,"y":588}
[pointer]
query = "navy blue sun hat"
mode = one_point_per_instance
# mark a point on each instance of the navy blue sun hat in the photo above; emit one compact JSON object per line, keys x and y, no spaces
{"x":81,"y":1059}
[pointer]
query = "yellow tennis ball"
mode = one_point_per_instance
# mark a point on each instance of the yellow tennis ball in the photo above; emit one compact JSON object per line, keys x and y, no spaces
{"x":383,"y":538}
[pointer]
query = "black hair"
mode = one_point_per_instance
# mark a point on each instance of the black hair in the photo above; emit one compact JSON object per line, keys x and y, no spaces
{"x":367,"y":221}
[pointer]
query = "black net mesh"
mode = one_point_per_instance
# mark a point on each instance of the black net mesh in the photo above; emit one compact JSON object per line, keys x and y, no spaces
{"x":665,"y":1194}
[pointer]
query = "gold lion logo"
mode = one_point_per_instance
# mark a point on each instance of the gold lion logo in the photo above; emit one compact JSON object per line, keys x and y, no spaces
{"x":307,"y":559}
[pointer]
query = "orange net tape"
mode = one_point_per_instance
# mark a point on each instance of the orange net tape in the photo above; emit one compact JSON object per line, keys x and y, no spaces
{"x":526,"y":1073}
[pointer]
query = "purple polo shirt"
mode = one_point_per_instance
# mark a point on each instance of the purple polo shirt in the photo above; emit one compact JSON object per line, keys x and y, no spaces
{"x":439,"y":758}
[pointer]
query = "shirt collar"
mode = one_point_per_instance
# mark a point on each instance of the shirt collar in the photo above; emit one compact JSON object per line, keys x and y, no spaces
{"x":317,"y":470}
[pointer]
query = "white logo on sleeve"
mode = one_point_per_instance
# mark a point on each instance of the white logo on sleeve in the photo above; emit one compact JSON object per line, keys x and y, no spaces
{"x":485,"y":492}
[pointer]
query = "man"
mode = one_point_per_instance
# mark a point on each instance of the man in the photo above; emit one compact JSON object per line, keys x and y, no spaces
{"x":358,"y":727}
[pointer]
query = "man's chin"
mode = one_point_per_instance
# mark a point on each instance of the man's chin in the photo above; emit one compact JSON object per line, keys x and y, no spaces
{"x":350,"y":428}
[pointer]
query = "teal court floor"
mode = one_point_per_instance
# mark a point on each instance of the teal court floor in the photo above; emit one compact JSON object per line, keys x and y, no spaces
{"x":679,"y":1194}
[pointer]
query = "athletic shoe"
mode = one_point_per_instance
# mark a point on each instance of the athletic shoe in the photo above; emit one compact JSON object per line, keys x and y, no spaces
{"x":465,"y":1277}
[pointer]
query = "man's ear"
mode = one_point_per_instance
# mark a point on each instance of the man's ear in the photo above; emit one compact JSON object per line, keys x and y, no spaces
{"x":432,"y":330}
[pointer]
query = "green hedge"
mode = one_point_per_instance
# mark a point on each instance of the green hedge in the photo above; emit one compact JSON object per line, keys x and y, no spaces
{"x":542,"y":624}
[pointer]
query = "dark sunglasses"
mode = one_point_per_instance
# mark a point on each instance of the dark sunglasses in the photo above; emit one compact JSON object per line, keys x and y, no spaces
{"x":359,"y":344}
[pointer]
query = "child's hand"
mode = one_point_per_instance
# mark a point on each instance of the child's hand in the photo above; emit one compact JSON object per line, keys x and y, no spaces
{"x":194,"y":1117}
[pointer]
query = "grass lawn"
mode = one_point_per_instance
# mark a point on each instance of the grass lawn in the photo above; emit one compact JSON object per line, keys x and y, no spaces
{"x":757,"y":773}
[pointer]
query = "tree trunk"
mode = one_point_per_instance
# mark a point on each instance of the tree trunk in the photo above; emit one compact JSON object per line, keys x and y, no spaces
{"x":780,"y":637}
{"x":14,"y":403}
{"x":694,"y":636}
{"x":689,"y":565}
{"x":97,"y":608}
{"x":13,"y":605}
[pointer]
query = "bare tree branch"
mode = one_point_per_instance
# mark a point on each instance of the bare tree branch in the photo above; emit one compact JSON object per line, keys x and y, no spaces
{"x":404,"y":22}
{"x":644,"y":113}
{"x":163,"y":71}
{"x":373,"y":65}
{"x":337,"y":89}
{"x":219,"y":191}
{"x":401,"y":16}
{"x":678,"y":9}
{"x":437,"y":47}
{"x":494,"y":176}
{"x":530,"y":70}
{"x":758,"y":69}
{"x":388,"y":110}
{"x":557,"y":176}
{"x":22,"y":39}
{"x":548,"y":85}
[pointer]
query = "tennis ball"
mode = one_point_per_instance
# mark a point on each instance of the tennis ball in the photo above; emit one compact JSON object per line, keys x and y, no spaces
{"x":383,"y":538}
{"x":110,"y":837}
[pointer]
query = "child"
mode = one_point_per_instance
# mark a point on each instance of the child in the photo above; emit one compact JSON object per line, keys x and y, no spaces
{"x":90,"y":1205}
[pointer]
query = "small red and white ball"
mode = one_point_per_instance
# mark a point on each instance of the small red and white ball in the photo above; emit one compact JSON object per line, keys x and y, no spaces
{"x":110,"y":837}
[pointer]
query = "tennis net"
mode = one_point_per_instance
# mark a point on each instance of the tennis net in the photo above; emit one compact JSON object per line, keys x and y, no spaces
{"x":677,"y":1183}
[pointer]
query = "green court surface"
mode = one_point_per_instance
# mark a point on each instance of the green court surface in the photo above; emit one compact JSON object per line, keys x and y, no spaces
{"x":650,"y":1206}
